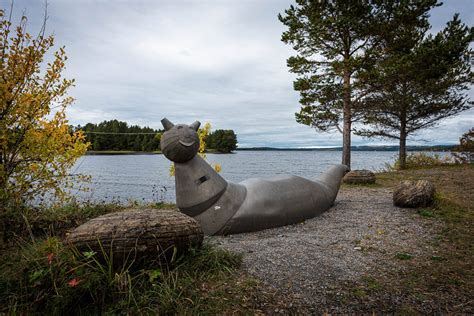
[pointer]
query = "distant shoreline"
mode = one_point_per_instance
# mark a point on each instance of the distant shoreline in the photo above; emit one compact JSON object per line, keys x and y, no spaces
{"x":212,"y":151}
{"x":120,"y":152}
{"x":132,"y":152}
{"x":356,"y":148}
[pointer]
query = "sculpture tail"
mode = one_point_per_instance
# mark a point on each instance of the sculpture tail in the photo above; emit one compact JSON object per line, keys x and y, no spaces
{"x":332,"y":179}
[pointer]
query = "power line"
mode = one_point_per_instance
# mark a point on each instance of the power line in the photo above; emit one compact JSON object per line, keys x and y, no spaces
{"x":111,"y":133}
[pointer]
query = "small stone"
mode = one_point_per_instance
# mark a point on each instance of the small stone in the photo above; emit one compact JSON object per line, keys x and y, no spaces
{"x":359,"y":177}
{"x":357,"y":248}
{"x":414,"y":194}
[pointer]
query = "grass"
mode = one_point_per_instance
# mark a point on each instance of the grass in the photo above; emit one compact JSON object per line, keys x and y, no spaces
{"x":40,"y":274}
{"x":208,"y":281}
{"x":50,"y":277}
{"x":426,"y":213}
{"x":403,"y":256}
{"x":444,"y":279}
{"x":56,"y":221}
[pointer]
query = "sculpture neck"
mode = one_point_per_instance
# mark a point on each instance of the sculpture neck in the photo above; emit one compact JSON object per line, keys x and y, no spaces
{"x":198,"y":186}
{"x":332,"y":178}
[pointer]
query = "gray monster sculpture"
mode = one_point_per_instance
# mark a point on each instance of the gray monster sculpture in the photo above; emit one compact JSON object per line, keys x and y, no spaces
{"x":223,"y":207}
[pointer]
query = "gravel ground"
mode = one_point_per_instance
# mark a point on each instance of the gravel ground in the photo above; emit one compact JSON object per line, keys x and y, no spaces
{"x":313,"y":263}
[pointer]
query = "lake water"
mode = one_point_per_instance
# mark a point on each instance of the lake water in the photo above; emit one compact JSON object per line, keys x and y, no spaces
{"x":146,"y":178}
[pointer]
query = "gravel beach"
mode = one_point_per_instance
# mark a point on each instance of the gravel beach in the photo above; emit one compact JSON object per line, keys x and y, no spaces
{"x":314,"y":264}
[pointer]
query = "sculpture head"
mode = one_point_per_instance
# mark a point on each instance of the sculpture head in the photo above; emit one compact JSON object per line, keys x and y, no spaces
{"x":180,"y":142}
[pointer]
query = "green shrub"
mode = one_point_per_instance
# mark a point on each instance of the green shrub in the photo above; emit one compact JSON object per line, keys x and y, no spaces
{"x":403,"y":256}
{"x":464,"y":153}
{"x":28,"y":222}
{"x":420,"y":160}
{"x":425,"y":213}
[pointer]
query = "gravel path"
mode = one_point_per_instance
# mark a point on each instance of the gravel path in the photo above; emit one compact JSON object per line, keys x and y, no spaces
{"x":313,"y":262}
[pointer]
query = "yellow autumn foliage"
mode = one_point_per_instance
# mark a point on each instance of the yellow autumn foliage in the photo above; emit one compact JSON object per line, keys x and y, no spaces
{"x":203,"y":133}
{"x":37,"y":149}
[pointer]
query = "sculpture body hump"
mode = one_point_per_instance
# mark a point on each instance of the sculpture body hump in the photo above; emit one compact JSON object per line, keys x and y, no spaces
{"x":223,"y":207}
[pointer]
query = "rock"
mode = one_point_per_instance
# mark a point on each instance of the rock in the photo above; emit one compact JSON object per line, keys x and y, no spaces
{"x":140,"y":235}
{"x":359,"y":177}
{"x":414,"y":194}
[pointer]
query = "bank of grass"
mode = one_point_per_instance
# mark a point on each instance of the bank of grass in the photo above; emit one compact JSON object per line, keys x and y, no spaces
{"x":443,"y":281}
{"x":41,"y":274}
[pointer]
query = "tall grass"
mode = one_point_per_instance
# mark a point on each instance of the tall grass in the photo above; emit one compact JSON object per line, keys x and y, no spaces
{"x":51,"y":277}
{"x":41,"y":274}
{"x":420,"y":160}
{"x":25,"y":222}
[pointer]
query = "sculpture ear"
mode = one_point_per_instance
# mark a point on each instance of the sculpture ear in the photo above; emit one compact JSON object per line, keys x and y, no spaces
{"x":195,"y":125}
{"x":167,"y":124}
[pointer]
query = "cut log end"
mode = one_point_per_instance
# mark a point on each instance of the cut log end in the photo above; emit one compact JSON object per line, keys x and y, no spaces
{"x":138,"y":235}
{"x":414,"y":194}
{"x":359,"y":177}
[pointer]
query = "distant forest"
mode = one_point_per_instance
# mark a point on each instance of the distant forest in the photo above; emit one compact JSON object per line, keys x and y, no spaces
{"x":118,"y":135}
{"x":121,"y":137}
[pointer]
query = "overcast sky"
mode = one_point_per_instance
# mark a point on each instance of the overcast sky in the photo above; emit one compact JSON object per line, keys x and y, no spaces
{"x":215,"y":61}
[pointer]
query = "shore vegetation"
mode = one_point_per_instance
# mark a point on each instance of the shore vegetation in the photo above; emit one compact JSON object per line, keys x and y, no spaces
{"x":37,"y":148}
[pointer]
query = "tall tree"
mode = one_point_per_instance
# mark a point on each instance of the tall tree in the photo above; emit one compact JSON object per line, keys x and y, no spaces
{"x":117,"y":135}
{"x":224,"y":141}
{"x":332,"y":40}
{"x":36,"y":146}
{"x":465,"y":151}
{"x":420,"y":78}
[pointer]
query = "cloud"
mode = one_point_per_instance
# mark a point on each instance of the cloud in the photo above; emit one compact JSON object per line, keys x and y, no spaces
{"x":217,"y":61}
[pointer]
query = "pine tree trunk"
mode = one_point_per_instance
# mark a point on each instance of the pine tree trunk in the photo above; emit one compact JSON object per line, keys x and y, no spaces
{"x":347,"y":119}
{"x":402,"y":155}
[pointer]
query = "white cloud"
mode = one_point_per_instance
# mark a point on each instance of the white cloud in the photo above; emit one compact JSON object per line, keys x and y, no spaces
{"x":217,"y":61}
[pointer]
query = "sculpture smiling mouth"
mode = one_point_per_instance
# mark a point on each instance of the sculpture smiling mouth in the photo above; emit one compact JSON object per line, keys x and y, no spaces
{"x":187,"y":144}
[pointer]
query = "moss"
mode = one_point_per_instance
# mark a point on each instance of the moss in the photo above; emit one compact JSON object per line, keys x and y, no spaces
{"x":403,"y":256}
{"x":425,"y":213}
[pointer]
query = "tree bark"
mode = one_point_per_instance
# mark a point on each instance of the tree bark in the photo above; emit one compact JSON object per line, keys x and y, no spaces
{"x":402,"y":155}
{"x":347,"y":119}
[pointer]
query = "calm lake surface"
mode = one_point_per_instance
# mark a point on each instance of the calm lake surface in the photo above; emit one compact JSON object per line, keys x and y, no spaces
{"x":146,"y":178}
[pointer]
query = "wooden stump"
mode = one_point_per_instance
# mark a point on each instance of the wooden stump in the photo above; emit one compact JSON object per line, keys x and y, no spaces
{"x":414,"y":194}
{"x":139,"y":235}
{"x":359,"y":177}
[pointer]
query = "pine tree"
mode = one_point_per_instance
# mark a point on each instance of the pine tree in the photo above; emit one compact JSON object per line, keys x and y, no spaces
{"x":333,"y":40}
{"x":419,"y":79}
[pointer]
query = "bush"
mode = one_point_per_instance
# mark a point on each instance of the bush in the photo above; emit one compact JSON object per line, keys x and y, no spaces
{"x":465,"y":151}
{"x":224,"y":141}
{"x":49,"y":277}
{"x":26,"y":222}
{"x":420,"y":160}
{"x":37,"y":147}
